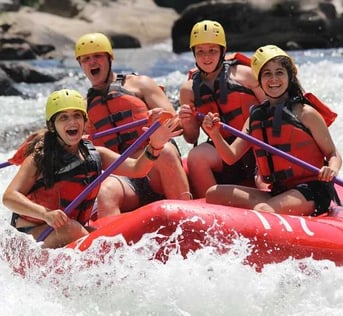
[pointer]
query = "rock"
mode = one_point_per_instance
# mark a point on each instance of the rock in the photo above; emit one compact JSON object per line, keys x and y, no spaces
{"x":64,"y":8}
{"x":9,"y":5}
{"x":51,"y":30}
{"x":129,"y":23}
{"x":288,"y":24}
{"x":23,"y":72}
{"x":6,"y":85}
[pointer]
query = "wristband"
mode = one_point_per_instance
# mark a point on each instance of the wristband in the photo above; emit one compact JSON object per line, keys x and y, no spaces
{"x":154,"y":148}
{"x":149,"y":155}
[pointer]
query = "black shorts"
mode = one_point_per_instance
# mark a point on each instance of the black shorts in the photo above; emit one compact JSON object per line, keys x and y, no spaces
{"x":241,"y":172}
{"x":142,"y":188}
{"x":322,"y":193}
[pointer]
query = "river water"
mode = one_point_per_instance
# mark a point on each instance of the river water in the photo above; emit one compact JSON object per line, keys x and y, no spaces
{"x":126,"y":282}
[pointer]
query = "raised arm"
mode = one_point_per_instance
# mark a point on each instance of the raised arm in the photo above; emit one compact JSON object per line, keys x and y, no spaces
{"x":189,"y":122}
{"x":229,"y":153}
{"x":137,"y":168}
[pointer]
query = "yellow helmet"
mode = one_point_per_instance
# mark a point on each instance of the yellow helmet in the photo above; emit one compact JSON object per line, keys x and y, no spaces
{"x":265,"y":54}
{"x":93,"y":43}
{"x":65,"y":99}
{"x":207,"y":31}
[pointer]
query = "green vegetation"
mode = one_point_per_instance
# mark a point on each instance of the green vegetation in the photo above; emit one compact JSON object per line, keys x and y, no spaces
{"x":30,"y":3}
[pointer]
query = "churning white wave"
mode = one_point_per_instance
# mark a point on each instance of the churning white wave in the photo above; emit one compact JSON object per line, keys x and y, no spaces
{"x":126,"y":281}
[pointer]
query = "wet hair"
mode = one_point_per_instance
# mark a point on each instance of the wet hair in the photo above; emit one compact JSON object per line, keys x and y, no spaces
{"x":294,"y":87}
{"x":48,"y":155}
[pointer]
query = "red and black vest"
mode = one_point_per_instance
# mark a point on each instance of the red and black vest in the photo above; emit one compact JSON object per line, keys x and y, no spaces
{"x":229,"y":99}
{"x":69,"y":182}
{"x":279,"y":127}
{"x":115,"y":107}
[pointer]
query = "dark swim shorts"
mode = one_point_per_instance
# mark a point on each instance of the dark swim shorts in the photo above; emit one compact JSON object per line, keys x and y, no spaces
{"x":241,"y":172}
{"x":26,"y":230}
{"x":322,"y":193}
{"x":144,"y":191}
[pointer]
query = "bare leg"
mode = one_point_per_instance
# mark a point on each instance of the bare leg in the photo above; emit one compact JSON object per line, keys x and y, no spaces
{"x":116,"y":195}
{"x":73,"y":230}
{"x":290,"y":202}
{"x":168,"y":176}
{"x":235,"y":195}
{"x":202,"y":161}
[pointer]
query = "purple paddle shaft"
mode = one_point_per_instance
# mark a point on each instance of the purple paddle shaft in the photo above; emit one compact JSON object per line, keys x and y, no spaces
{"x":271,"y":149}
{"x":120,"y":128}
{"x":130,"y":150}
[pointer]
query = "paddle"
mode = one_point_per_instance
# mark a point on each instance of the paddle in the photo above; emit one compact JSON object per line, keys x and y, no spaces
{"x":271,"y":149}
{"x":119,"y":128}
{"x":131,"y":149}
{"x":16,"y":161}
{"x":5,"y":164}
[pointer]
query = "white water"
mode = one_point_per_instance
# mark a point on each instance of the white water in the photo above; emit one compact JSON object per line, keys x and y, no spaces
{"x":127,"y":282}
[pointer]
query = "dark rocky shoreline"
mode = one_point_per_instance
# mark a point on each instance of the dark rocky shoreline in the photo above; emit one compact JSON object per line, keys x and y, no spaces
{"x":50,"y":30}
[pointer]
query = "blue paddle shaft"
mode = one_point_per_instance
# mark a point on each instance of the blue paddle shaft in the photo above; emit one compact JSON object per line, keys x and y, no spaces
{"x":127,"y":153}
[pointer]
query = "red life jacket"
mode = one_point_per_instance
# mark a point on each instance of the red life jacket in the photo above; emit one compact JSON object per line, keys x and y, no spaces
{"x":116,"y":107}
{"x":278,"y":127}
{"x":228,"y":98}
{"x":69,"y":182}
{"x":232,"y":102}
{"x":328,"y":115}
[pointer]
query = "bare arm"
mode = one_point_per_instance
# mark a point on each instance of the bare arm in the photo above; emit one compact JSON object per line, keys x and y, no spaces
{"x":189,"y":122}
{"x":15,"y":195}
{"x":148,"y":90}
{"x":244,"y":76}
{"x":137,"y":168}
{"x":229,"y":153}
{"x":90,"y":129}
{"x":314,"y":121}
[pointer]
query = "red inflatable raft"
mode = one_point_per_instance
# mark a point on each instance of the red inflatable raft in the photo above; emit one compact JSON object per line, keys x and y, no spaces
{"x":273,"y":237}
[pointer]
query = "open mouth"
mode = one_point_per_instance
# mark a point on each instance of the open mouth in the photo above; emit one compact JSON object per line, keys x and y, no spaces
{"x":72,"y":132}
{"x":95,"y":71}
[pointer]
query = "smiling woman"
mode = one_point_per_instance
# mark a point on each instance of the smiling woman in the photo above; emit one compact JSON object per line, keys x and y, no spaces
{"x":288,"y":121}
{"x":60,"y":164}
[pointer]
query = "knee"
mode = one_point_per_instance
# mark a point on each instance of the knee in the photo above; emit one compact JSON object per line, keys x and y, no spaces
{"x":211,"y":194}
{"x":111,"y":189}
{"x":264,"y":207}
{"x":194,"y":159}
{"x":202,"y":156}
{"x":105,"y":189}
{"x":169,"y":154}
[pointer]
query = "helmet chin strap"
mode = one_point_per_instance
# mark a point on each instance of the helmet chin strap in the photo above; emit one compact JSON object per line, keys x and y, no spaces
{"x":64,"y":144}
{"x":109,"y":70}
